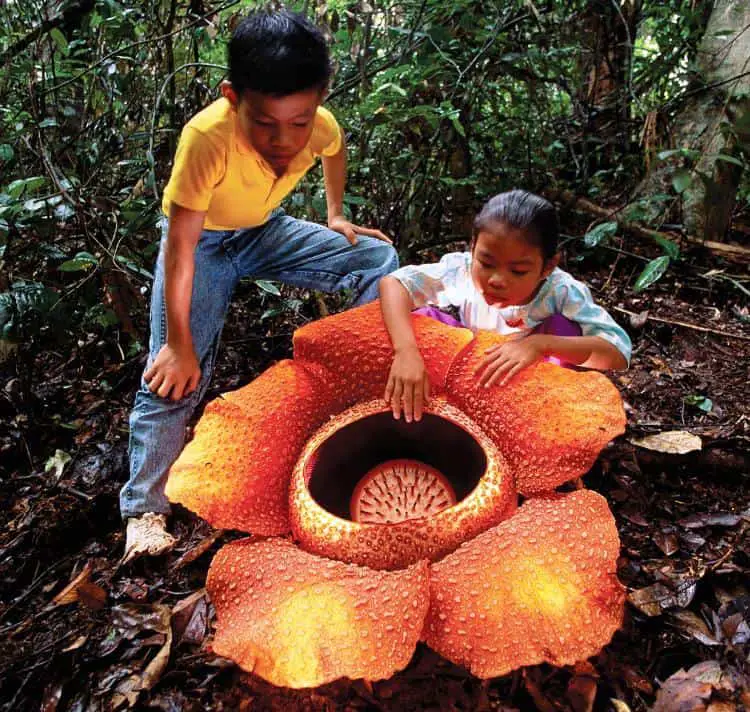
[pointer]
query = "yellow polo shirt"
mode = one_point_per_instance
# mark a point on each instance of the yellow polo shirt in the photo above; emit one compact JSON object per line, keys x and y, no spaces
{"x":216,"y":170}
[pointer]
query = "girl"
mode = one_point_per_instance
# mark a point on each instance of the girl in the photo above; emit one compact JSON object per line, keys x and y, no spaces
{"x":510,"y":283}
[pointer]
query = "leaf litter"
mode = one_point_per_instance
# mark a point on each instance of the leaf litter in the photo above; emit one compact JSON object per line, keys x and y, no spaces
{"x":81,"y":634}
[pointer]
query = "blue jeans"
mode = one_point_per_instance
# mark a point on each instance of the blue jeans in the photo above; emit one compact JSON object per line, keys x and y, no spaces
{"x":285,"y":249}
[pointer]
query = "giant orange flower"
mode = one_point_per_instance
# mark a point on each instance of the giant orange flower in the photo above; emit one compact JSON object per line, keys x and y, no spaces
{"x":383,"y":533}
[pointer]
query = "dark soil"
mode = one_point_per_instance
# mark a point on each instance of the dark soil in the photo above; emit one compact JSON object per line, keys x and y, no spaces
{"x":683,"y":521}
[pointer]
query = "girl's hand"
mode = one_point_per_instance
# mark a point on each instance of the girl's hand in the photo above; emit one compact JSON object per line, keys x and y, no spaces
{"x":506,"y":360}
{"x":349,"y":230}
{"x":408,"y":385}
{"x":174,"y":373}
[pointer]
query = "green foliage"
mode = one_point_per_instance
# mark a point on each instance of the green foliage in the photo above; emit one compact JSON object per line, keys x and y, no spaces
{"x":24,"y":310}
{"x":599,"y":234}
{"x":443,"y":104}
{"x":652,"y":272}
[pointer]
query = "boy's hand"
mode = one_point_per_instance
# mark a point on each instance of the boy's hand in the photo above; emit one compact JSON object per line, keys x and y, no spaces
{"x":408,"y":385}
{"x":349,"y":230}
{"x":506,"y":360}
{"x":174,"y":373}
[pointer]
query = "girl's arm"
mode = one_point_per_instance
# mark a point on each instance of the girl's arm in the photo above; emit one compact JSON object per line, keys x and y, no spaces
{"x":408,"y":384}
{"x":588,"y":351}
{"x":504,"y":361}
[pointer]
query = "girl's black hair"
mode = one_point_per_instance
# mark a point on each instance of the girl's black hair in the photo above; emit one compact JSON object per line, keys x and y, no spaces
{"x":525,"y":211}
{"x":278,"y":53}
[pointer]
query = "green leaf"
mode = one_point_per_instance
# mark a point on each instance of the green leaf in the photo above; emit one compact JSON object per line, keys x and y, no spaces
{"x":269,"y":287}
{"x":82,"y":261}
{"x":705,"y":404}
{"x":25,"y":185}
{"x":24,"y":307}
{"x":730,"y":159}
{"x":671,"y":248}
{"x":599,"y":234}
{"x":390,"y":85}
{"x":131,"y":265}
{"x":681,"y":180}
{"x":652,"y":273}
{"x":273,"y":311}
{"x":60,"y":41}
{"x":691,"y":153}
{"x":6,"y":152}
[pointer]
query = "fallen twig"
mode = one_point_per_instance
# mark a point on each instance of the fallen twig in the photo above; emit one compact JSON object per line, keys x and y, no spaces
{"x":687,"y":325}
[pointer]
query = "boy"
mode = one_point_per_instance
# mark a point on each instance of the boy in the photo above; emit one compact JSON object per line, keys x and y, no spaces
{"x":235,"y":162}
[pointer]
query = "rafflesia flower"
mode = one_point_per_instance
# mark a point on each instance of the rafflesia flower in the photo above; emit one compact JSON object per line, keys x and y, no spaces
{"x":381,"y":533}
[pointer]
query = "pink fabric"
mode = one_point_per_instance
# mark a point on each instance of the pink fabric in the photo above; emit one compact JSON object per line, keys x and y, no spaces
{"x":555,"y":325}
{"x":435,"y":313}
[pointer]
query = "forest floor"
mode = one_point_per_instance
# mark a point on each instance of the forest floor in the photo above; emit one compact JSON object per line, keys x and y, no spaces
{"x":683,"y":521}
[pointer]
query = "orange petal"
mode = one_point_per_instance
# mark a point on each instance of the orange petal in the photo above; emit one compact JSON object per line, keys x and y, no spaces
{"x":491,"y":499}
{"x":355,"y":348}
{"x":540,"y":587}
{"x":235,"y":472}
{"x":300,"y":621}
{"x":550,"y":422}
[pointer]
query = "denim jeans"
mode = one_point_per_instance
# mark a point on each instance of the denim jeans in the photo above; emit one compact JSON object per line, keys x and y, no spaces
{"x":285,"y":249}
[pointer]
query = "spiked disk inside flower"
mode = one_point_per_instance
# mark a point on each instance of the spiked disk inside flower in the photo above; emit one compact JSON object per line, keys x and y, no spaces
{"x":397,"y":490}
{"x":540,"y":587}
{"x":301,"y":621}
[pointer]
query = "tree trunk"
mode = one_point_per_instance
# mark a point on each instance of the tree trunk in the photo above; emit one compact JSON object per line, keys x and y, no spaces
{"x":606,"y":31}
{"x":712,"y":127}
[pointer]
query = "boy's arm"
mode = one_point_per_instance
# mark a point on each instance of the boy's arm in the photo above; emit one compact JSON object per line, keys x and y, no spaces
{"x":408,"y":383}
{"x":334,"y":176}
{"x":175,"y":371}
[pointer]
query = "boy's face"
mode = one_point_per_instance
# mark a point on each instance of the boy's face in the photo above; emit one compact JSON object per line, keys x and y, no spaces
{"x":278,"y":128}
{"x":506,"y":268}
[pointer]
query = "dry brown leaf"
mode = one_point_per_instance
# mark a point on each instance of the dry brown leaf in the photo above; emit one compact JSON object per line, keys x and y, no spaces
{"x":128,"y":690}
{"x":710,"y":519}
{"x":77,"y":643}
{"x":722,"y":707}
{"x":674,"y":442}
{"x":198,"y":550}
{"x":667,"y":541}
{"x":652,"y":600}
{"x":533,"y":686}
{"x":190,"y":618}
{"x":581,"y":693}
{"x":694,"y":626}
{"x":80,"y":589}
{"x":692,"y":689}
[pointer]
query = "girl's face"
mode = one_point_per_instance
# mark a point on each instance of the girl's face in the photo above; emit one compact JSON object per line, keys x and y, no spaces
{"x":506,"y":268}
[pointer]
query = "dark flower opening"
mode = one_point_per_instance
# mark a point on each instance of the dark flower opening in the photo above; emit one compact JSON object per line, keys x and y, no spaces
{"x":345,"y":457}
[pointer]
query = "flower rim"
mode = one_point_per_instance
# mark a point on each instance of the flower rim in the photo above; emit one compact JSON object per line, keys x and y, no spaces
{"x":319,"y":531}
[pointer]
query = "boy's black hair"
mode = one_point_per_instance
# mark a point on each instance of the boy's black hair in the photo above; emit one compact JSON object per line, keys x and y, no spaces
{"x":525,"y":211}
{"x":278,"y":53}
